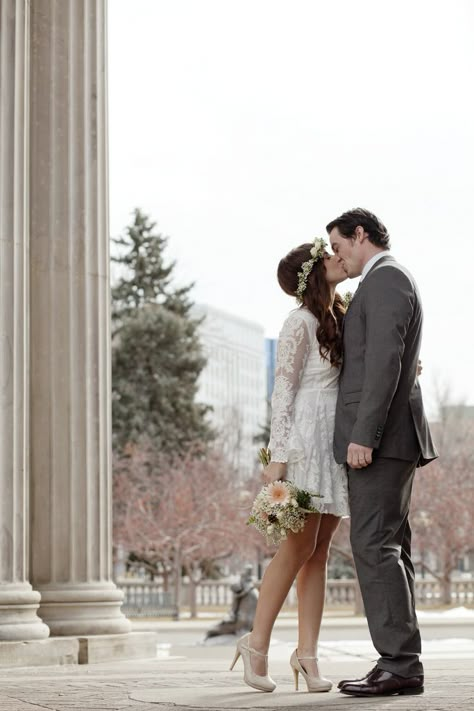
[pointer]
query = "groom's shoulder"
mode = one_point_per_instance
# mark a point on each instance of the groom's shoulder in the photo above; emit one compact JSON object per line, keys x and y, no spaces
{"x":389,"y":271}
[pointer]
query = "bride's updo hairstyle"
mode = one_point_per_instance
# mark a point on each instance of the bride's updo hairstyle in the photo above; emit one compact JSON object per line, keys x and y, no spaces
{"x":317,"y":298}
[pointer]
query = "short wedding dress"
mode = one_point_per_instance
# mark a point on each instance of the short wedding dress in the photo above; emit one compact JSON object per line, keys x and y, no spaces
{"x":303,"y":414}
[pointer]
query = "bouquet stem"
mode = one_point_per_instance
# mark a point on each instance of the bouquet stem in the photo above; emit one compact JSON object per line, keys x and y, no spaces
{"x":265,"y":456}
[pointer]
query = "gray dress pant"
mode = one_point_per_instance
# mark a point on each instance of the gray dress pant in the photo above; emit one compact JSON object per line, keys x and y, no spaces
{"x":379,"y":499}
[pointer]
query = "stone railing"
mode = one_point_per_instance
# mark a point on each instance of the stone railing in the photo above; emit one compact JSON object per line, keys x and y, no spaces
{"x":210,"y":593}
{"x":149,"y":599}
{"x":429,"y":592}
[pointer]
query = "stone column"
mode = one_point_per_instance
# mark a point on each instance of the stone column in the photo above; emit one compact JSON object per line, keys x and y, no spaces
{"x":70,"y":335}
{"x":18,"y":601}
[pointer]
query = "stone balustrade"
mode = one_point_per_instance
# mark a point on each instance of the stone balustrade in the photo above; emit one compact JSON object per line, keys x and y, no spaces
{"x":145,"y":598}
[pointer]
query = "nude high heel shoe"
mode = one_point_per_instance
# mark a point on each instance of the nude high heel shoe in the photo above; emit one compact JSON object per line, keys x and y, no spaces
{"x":262,"y":683}
{"x":314,"y":683}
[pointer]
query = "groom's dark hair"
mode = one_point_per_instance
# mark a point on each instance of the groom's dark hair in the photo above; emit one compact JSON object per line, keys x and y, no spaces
{"x":348,"y":221}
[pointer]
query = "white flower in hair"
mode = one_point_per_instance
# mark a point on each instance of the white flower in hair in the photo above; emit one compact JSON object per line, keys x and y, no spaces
{"x":319,"y":246}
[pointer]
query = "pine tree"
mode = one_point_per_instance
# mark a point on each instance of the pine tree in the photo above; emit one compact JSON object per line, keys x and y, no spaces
{"x":145,"y":277}
{"x":156,"y":354}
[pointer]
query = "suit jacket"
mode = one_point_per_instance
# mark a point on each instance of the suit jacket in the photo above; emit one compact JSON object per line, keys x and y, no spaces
{"x":380,"y":403}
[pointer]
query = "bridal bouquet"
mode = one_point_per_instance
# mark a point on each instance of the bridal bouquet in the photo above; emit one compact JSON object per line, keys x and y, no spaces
{"x":279,"y":507}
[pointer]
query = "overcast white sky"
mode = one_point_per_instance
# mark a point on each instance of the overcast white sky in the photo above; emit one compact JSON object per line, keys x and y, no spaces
{"x":243,"y":126}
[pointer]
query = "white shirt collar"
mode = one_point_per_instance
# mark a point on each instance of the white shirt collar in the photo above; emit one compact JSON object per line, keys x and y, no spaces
{"x":373,"y":260}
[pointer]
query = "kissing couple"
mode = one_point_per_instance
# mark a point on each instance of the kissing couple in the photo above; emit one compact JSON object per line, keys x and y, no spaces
{"x":347,"y":422}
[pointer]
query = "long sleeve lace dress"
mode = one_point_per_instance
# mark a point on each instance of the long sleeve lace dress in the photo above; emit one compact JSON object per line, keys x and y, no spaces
{"x":303,"y":414}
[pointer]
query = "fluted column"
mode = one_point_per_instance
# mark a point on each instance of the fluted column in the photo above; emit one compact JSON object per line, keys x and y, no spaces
{"x":70,"y":335}
{"x":18,"y":601}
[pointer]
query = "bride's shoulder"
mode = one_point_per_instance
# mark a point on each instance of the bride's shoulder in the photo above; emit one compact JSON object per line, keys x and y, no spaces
{"x":302,"y":314}
{"x":298,"y":316}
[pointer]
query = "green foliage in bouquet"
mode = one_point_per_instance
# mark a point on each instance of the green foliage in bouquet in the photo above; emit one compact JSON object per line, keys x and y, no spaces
{"x":303,"y":499}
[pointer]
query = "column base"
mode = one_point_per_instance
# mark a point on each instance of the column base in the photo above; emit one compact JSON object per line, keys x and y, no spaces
{"x":83,"y":610}
{"x":19,"y":619}
{"x":39,"y":653}
{"x":109,"y":648}
{"x":78,"y":650}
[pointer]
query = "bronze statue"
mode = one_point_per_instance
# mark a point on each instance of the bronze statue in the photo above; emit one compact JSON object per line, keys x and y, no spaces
{"x":242,"y":612}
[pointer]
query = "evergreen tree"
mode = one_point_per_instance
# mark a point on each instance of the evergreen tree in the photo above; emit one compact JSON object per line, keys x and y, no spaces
{"x":156,"y":354}
{"x":145,"y":278}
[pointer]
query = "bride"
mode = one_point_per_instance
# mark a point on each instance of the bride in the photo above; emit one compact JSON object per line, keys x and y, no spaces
{"x":303,"y":409}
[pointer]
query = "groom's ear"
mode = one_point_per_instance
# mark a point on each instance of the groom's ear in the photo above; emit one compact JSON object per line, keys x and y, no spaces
{"x":360,"y":234}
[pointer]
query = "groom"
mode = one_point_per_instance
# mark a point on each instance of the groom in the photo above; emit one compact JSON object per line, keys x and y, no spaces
{"x":382,"y":433}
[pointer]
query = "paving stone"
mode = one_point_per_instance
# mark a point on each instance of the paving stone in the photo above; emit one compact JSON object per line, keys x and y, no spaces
{"x":182,"y":683}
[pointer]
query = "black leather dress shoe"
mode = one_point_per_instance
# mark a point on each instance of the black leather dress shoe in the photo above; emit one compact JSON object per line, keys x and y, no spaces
{"x":353,"y":681}
{"x":384,"y":683}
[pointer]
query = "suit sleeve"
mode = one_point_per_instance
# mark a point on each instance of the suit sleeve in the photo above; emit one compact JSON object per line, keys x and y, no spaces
{"x":388,"y":309}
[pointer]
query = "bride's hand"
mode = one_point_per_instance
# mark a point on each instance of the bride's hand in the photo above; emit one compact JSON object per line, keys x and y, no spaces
{"x":419,"y":368}
{"x":274,"y":471}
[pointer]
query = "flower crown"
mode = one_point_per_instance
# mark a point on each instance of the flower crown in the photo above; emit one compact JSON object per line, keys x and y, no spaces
{"x":317,"y":252}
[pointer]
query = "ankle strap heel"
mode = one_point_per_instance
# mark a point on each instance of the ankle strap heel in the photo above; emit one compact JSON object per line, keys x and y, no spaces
{"x":256,"y":681}
{"x":314,"y":683}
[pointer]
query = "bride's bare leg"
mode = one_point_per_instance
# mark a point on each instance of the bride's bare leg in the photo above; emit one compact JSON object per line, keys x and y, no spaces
{"x":311,"y":589}
{"x":276,"y":583}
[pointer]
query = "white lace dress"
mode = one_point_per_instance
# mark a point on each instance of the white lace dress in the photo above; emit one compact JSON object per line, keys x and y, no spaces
{"x":303,"y":413}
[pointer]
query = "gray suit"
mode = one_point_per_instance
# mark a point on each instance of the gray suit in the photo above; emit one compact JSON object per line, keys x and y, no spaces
{"x":380,"y":406}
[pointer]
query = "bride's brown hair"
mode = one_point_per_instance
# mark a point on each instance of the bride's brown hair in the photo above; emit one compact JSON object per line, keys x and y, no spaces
{"x":317,"y":298}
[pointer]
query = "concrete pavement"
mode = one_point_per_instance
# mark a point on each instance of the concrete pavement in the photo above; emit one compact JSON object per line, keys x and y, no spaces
{"x":205,"y":683}
{"x":186,"y":675}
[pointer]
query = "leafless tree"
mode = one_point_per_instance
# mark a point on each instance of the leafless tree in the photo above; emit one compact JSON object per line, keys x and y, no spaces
{"x":443,"y":497}
{"x":178,"y":511}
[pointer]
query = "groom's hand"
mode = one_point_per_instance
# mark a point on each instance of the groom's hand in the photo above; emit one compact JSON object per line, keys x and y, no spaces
{"x":359,"y":456}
